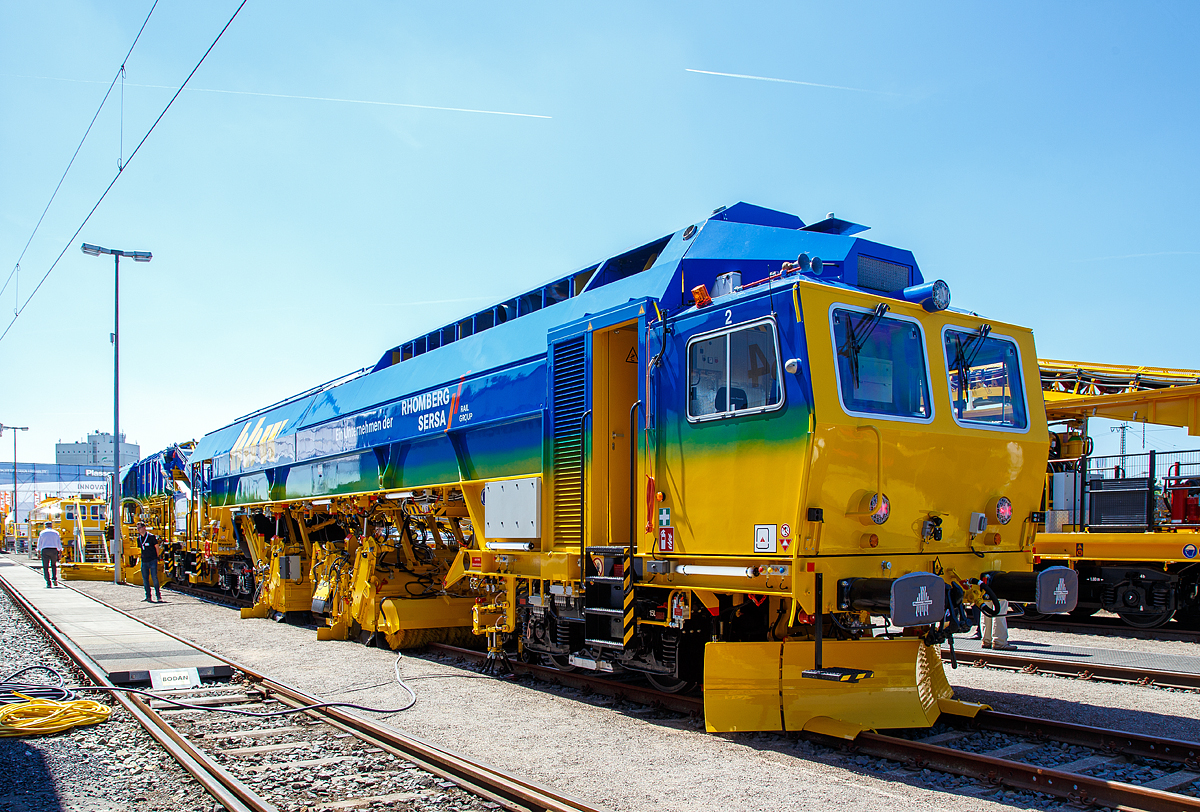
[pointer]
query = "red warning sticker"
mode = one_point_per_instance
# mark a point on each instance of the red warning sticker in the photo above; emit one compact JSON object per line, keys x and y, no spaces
{"x":666,"y":539}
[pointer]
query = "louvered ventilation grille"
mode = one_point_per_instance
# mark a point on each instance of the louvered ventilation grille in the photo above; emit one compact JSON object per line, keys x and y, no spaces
{"x":878,"y":274}
{"x":570,"y":402}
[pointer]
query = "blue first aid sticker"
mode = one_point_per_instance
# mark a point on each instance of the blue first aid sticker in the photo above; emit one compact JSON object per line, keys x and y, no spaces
{"x":1189,"y":551}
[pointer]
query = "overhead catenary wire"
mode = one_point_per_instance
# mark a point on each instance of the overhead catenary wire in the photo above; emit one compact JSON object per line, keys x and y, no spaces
{"x":119,"y":75}
{"x":121,"y":170}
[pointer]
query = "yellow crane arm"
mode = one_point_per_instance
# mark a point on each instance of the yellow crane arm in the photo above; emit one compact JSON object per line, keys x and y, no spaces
{"x":1076,"y":390}
{"x":1086,"y":379}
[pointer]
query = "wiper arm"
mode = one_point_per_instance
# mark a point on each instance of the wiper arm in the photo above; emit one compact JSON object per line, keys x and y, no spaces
{"x":962,"y":362}
{"x":854,"y":341}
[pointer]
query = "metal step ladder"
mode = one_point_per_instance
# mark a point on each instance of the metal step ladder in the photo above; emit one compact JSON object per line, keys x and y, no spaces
{"x":608,"y":598}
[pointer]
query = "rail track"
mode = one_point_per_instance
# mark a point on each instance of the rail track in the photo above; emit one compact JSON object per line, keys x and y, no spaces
{"x":1101,"y":672}
{"x":244,"y":761}
{"x":1108,"y":626}
{"x":210,"y":596}
{"x":997,"y":749}
{"x":1080,"y":764}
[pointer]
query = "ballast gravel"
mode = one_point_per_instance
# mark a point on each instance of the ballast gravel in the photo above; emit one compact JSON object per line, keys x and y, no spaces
{"x":627,"y":757}
{"x":110,"y":767}
{"x":1135,"y":708}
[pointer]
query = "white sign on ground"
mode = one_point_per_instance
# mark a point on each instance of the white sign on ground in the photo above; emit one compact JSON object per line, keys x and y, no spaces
{"x":166,"y":679}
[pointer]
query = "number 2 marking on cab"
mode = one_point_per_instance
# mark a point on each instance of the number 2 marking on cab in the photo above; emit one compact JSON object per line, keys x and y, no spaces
{"x":729,"y":317}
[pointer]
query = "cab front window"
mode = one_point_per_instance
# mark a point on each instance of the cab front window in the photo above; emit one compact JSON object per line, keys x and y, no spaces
{"x":985,"y":379}
{"x":881,"y":367}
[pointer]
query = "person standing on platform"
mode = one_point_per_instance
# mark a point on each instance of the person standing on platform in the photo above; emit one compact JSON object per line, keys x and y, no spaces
{"x":995,"y":630}
{"x":148,"y":545}
{"x":49,"y":545}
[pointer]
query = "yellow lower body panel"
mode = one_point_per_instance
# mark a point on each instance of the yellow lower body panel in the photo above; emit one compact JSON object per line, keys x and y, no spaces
{"x":85,"y":572}
{"x":281,"y":596}
{"x":760,"y":686}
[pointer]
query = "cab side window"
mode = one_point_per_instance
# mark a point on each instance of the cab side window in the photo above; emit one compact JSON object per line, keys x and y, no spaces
{"x":734,"y":372}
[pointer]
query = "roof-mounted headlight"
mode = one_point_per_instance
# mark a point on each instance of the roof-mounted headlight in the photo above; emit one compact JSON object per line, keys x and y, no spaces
{"x":933,"y":296}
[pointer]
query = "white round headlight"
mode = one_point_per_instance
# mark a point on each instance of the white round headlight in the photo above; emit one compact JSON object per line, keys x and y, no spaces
{"x":941,"y":295}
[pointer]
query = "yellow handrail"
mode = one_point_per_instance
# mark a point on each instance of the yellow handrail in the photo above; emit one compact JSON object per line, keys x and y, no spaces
{"x":878,"y":468}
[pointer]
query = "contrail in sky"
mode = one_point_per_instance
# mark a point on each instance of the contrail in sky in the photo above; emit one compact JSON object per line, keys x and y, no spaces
{"x":1140,"y":256}
{"x":791,"y":82}
{"x":306,"y":98}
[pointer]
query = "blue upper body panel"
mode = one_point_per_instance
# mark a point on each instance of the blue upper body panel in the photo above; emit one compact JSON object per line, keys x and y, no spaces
{"x":500,"y":371}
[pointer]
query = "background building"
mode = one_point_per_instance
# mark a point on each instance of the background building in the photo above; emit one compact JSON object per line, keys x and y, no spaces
{"x":96,"y":450}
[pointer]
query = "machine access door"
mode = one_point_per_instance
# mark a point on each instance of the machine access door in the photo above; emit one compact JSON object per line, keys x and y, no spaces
{"x":594,"y":385}
{"x":614,"y":433}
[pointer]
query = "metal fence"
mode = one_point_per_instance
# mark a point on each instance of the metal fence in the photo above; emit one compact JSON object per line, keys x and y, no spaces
{"x":1153,"y":491}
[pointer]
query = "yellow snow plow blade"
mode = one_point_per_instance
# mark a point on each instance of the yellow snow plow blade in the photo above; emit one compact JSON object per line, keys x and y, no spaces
{"x":762,"y":686}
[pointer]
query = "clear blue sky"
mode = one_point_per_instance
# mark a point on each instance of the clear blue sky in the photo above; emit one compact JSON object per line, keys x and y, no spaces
{"x":1039,"y":157}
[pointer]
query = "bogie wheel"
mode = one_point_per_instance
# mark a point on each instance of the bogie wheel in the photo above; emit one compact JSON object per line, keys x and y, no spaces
{"x":1146,"y":621}
{"x":1031,"y":612}
{"x":560,"y":662}
{"x":668,"y":684}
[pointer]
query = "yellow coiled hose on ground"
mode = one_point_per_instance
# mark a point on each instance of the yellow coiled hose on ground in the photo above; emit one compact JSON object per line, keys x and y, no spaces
{"x":38,"y":717}
{"x":36,"y":709}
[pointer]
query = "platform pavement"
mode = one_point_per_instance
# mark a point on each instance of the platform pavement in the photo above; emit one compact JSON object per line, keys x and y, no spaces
{"x":1178,"y":663}
{"x":126,"y":649}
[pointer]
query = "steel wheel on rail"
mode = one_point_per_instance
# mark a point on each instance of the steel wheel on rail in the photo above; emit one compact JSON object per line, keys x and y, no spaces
{"x":668,"y":684}
{"x":560,"y":662}
{"x":1142,"y":620}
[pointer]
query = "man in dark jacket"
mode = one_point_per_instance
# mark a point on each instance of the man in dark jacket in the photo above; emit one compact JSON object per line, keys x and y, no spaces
{"x":148,"y":546}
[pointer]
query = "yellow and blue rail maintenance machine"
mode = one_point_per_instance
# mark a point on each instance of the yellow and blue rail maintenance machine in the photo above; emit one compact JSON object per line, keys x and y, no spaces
{"x":757,"y":455}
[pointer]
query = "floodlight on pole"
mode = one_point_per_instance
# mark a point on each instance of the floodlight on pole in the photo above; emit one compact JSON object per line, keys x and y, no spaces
{"x":14,"y":430}
{"x":115,"y":522}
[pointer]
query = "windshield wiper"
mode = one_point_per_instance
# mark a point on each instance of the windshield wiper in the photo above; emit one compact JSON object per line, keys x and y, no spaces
{"x":962,"y":362}
{"x":856,"y":338}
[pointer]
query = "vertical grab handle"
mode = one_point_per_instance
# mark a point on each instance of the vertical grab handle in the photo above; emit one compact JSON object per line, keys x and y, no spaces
{"x":878,"y":457}
{"x":583,"y":496}
{"x":633,"y":439}
{"x":878,"y":467}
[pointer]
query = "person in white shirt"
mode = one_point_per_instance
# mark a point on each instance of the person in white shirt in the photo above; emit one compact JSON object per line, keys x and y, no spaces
{"x":49,"y":545}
